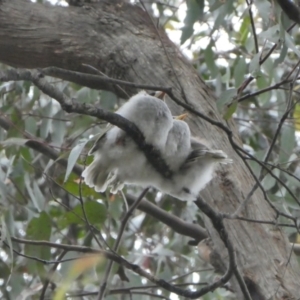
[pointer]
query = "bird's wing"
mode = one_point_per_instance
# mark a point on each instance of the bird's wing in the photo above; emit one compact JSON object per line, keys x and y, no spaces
{"x":200,"y":150}
{"x":217,"y":155}
{"x":100,"y":140}
{"x":194,"y":155}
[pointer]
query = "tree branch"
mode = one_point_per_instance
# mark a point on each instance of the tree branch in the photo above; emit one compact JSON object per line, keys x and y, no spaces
{"x":135,"y":268}
{"x":217,"y":221}
{"x":70,"y":106}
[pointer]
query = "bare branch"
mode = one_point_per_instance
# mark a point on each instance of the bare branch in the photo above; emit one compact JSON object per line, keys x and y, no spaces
{"x":217,"y":221}
{"x":135,"y":268}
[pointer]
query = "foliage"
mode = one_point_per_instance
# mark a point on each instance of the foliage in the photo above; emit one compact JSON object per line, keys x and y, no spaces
{"x":231,"y":45}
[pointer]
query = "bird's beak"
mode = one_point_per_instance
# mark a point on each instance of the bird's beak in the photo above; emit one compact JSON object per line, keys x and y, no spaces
{"x":160,"y":95}
{"x":181,"y":117}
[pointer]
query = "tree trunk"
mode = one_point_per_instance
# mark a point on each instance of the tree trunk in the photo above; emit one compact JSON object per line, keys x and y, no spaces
{"x":121,"y":41}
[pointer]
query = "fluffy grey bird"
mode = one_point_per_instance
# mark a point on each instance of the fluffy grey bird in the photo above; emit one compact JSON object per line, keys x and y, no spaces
{"x":192,"y":162}
{"x":115,"y":149}
{"x":195,"y":173}
{"x":178,"y":145}
{"x":175,"y":152}
{"x":119,"y":161}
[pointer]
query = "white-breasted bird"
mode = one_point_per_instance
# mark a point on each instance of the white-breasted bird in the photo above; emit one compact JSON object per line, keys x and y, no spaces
{"x":142,"y":173}
{"x":115,"y":149}
{"x":119,"y":161}
{"x":195,"y":173}
{"x":191,"y":161}
{"x":178,"y":143}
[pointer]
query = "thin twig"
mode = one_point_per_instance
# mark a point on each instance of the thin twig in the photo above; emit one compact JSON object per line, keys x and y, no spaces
{"x":118,"y":241}
{"x":49,"y":277}
{"x":135,"y":268}
{"x":218,"y":223}
{"x":252,"y":25}
{"x":267,"y":156}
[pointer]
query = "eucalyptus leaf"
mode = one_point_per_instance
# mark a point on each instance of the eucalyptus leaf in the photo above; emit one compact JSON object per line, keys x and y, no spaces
{"x":269,"y":181}
{"x":72,"y":159}
{"x":210,"y":61}
{"x":31,"y":192}
{"x":226,"y":98}
{"x":45,"y":127}
{"x":240,"y":71}
{"x":14,"y":142}
{"x":272,"y":34}
{"x":231,"y":109}
{"x":254,"y":66}
{"x":290,"y":44}
{"x":39,"y":228}
{"x":194,"y":12}
{"x":59,"y":128}
{"x":96,"y":214}
{"x":287,"y":143}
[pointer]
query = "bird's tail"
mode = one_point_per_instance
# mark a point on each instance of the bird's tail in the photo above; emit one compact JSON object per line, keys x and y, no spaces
{"x":95,"y":175}
{"x":113,"y":181}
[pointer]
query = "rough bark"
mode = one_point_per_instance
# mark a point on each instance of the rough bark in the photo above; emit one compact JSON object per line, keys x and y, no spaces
{"x":122,"y":42}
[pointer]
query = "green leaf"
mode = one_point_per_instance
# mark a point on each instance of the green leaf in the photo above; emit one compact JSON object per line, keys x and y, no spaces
{"x":282,"y":56}
{"x":87,"y":95}
{"x":108,"y":100}
{"x":222,"y":12}
{"x":269,"y":181}
{"x":96,"y":214}
{"x":74,"y":154}
{"x":287,"y":143}
{"x":254,"y":66}
{"x":39,"y":195}
{"x":262,"y":83}
{"x":4,"y":190}
{"x":244,"y":30}
{"x":72,"y":186}
{"x":82,"y":95}
{"x":264,"y":8}
{"x":240,"y":71}
{"x":31,"y":192}
{"x":4,"y":270}
{"x":14,"y":142}
{"x":272,"y":34}
{"x":290,"y":44}
{"x":14,"y":131}
{"x":194,"y":13}
{"x":230,"y":110}
{"x":46,"y":122}
{"x":210,"y":61}
{"x":38,"y":229}
{"x":226,"y":98}
{"x":59,"y":128}
{"x":31,"y":125}
{"x":296,"y":116}
{"x":259,"y":155}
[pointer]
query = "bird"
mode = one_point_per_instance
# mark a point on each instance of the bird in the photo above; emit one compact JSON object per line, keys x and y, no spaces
{"x":142,"y":173}
{"x":178,"y":143}
{"x":118,"y":161}
{"x":115,"y":149}
{"x":195,"y":172}
{"x":190,"y":160}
